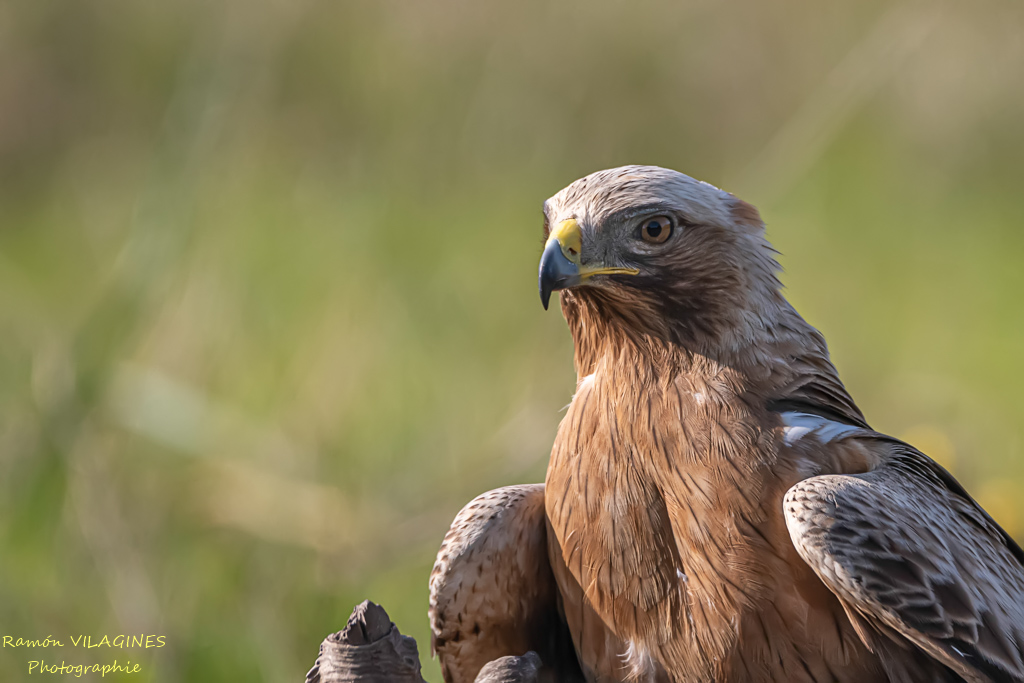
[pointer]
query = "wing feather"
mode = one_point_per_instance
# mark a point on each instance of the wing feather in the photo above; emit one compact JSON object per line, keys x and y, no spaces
{"x":492,"y":592}
{"x":915,"y":560}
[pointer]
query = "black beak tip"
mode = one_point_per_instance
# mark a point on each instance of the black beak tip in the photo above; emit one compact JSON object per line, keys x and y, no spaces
{"x":556,"y":272}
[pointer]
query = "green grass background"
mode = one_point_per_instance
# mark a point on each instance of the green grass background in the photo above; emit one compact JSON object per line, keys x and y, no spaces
{"x":268,"y":275}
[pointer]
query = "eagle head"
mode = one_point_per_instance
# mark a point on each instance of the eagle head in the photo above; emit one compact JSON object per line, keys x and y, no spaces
{"x":672,"y":257}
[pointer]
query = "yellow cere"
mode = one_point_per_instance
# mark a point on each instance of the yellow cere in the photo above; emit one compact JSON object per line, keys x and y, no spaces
{"x":567,"y":234}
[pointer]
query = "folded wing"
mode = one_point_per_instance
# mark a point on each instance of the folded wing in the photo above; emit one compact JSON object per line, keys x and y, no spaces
{"x":492,"y":593}
{"x":924,"y":573}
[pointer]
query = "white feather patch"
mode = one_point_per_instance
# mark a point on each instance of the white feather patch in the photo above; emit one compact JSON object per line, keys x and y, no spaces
{"x":799,"y":425}
{"x":639,"y":662}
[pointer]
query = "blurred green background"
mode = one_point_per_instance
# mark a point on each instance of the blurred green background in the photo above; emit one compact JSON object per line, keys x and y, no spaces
{"x":268,"y":275}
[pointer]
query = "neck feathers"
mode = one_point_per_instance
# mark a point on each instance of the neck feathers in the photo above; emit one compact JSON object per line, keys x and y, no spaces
{"x":773,"y":353}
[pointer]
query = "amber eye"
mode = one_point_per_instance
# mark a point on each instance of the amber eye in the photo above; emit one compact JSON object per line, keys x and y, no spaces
{"x":656,"y":230}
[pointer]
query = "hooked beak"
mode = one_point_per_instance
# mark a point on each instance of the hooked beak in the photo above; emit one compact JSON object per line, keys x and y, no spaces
{"x":560,"y":266}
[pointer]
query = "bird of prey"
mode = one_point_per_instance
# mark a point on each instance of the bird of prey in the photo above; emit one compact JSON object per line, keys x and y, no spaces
{"x":717,"y":508}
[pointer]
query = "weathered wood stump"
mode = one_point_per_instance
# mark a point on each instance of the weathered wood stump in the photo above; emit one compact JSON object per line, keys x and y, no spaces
{"x":370,"y":649}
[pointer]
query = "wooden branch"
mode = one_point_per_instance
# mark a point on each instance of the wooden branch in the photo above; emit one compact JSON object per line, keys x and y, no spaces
{"x":370,"y":649}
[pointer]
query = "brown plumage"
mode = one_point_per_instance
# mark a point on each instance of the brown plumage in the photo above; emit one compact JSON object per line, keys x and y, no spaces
{"x":718,"y":508}
{"x":492,"y":593}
